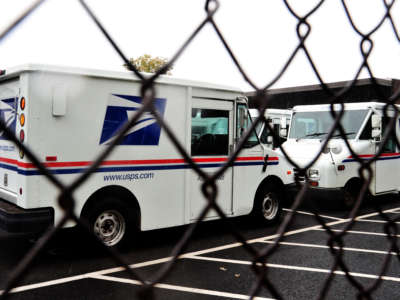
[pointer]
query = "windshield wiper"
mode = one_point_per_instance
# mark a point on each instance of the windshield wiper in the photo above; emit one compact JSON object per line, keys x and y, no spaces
{"x":310,"y":135}
{"x":346,"y":134}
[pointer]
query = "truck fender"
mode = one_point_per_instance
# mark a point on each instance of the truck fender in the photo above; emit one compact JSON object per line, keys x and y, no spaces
{"x":273,"y":180}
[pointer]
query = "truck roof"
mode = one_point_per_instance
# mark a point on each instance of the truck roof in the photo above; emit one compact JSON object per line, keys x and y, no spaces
{"x":270,"y":111}
{"x":349,"y":106}
{"x":122,"y":75}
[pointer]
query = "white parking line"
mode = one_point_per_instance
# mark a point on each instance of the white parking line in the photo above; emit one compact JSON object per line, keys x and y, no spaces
{"x":297,"y":268}
{"x":84,"y":276}
{"x":336,"y":218}
{"x":293,"y":232}
{"x":327,"y":247}
{"x":46,"y":283}
{"x":311,"y":214}
{"x":179,"y":288}
{"x":376,"y":221}
{"x":358,"y":232}
{"x":189,"y":255}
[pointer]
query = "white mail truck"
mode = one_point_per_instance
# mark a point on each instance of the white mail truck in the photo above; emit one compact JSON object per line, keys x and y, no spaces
{"x":68,"y":116}
{"x":336,"y":173}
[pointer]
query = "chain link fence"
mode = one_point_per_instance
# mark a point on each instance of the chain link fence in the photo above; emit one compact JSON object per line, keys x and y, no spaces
{"x":336,"y":241}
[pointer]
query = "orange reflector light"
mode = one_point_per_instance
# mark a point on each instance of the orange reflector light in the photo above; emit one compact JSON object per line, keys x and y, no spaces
{"x":314,"y":183}
{"x":51,"y":158}
{"x":341,"y":168}
{"x":21,"y":154}
{"x":22,"y":119}
{"x":22,"y":104}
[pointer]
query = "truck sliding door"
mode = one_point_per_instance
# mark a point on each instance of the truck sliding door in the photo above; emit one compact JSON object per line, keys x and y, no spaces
{"x":388,"y":163}
{"x":211,"y":139}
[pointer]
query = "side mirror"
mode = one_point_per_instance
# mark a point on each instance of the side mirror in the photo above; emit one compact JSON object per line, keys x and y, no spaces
{"x":270,"y":139}
{"x":376,"y":124}
{"x":283,"y":132}
{"x":376,"y":121}
{"x":376,"y":134}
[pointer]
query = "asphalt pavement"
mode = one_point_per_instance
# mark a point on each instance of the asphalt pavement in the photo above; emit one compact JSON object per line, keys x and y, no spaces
{"x":214,"y":265}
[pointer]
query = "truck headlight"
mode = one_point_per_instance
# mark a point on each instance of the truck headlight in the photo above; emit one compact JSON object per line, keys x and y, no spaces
{"x":313,"y":174}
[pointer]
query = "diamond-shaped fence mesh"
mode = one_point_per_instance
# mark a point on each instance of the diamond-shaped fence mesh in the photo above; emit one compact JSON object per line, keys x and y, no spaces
{"x":209,"y":188}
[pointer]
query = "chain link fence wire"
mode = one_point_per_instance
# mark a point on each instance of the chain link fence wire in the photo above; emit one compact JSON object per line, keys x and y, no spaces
{"x":209,"y":188}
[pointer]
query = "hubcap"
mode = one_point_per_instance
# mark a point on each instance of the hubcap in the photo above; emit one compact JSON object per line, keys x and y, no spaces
{"x":269,"y":207}
{"x":110,"y":227}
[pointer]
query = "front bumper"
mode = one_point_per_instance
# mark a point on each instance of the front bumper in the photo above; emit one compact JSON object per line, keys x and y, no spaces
{"x":316,"y":193}
{"x":15,"y":219}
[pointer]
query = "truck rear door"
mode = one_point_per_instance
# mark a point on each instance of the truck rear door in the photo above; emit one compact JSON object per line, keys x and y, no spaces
{"x":9,"y":94}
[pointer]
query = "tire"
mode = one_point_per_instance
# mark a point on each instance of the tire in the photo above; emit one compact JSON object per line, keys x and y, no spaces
{"x":111,"y":221}
{"x":350,"y":195}
{"x":268,"y":207}
{"x":349,"y":199}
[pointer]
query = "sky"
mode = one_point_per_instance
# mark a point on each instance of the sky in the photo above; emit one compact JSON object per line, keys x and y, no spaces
{"x":261,"y":33}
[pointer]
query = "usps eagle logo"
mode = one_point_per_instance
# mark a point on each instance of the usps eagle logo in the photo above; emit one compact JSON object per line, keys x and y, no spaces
{"x":8,"y":115}
{"x":120,"y":109}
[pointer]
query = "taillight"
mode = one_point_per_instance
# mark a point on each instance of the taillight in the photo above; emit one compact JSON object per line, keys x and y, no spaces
{"x":22,"y":103}
{"x":22,"y":135}
{"x":22,"y":119}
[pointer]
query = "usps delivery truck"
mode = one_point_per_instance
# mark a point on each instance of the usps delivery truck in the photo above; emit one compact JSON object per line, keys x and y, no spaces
{"x":68,"y":116}
{"x":335,"y":174}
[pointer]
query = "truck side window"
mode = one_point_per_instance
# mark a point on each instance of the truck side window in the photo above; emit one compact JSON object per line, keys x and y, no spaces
{"x":242,"y":128}
{"x":210,"y":132}
{"x":389,"y":145}
{"x":366,"y":133}
{"x":265,"y":133}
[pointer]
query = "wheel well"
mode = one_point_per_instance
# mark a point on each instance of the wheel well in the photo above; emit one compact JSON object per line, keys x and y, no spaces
{"x":354,"y":182}
{"x":273,"y":180}
{"x":115,"y":191}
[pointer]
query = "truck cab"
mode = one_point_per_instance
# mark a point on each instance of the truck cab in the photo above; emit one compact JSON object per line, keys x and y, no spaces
{"x":337,"y":170}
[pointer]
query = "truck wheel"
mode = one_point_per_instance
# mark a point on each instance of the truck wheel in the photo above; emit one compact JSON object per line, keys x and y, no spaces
{"x":350,"y":195}
{"x":110,"y":220}
{"x":268,"y":204}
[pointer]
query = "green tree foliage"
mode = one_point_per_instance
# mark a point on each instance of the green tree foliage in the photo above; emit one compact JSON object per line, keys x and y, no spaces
{"x":149,"y":64}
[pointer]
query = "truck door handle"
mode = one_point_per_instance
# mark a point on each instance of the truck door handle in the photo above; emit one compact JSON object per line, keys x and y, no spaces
{"x":265,"y":163}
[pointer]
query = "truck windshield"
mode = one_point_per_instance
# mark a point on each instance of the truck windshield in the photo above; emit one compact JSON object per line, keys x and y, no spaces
{"x":317,"y":124}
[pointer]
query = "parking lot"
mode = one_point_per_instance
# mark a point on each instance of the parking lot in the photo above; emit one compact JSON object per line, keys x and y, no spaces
{"x":215,"y":265}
